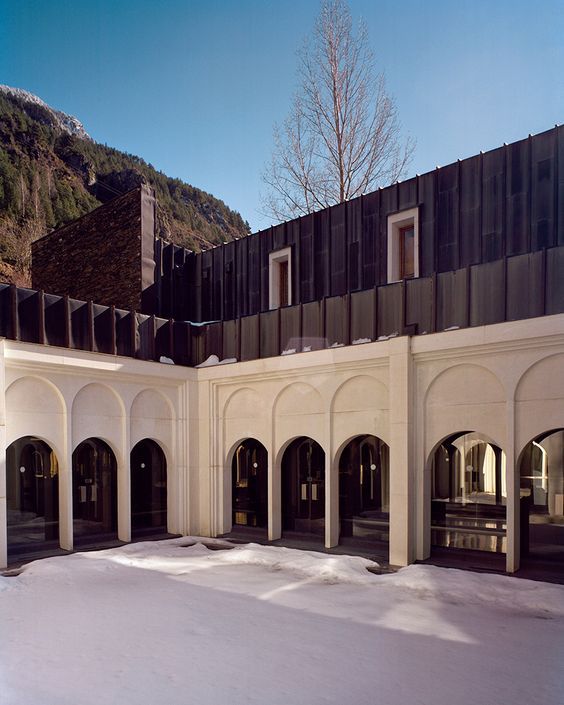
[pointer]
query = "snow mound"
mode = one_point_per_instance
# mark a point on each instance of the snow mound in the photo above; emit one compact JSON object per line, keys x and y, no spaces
{"x":467,"y":588}
{"x":308,"y":564}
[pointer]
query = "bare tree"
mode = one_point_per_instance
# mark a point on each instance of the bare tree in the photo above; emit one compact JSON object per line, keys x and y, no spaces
{"x":342,"y":137}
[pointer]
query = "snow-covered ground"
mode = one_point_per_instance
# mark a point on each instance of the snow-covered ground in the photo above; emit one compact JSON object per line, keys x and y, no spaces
{"x":161,"y":623}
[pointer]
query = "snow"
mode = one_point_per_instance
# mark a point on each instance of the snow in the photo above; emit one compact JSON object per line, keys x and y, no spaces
{"x":361,"y":341}
{"x":166,"y":360}
{"x":288,"y":351}
{"x":213,"y":360}
{"x":176,"y":622}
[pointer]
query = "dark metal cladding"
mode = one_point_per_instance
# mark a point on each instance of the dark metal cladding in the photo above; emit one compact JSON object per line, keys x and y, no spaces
{"x":337,"y":321}
{"x":390,"y":310}
{"x":321,"y":248}
{"x":55,"y":320}
{"x":145,"y":337}
{"x":407,"y":194}
{"x":363,"y":315}
{"x":29,"y":316}
{"x":6,"y":318}
{"x":560,"y":187}
{"x":487,"y":293}
{"x":313,"y":319}
{"x":470,"y":211}
{"x":388,"y":205}
{"x":338,"y":250}
{"x":427,"y":188}
{"x":307,"y":259}
{"x":493,"y":186}
{"x":525,"y":286}
{"x":265,"y":239}
{"x":164,"y":346}
{"x":543,"y":189}
{"x":370,"y":238}
{"x":293,"y":241}
{"x":80,"y":337}
{"x":452,"y":299}
{"x":231,"y":340}
{"x":181,"y":343}
{"x":216,"y":288}
{"x":124,"y":322}
{"x":269,"y":328}
{"x":250,"y":348}
{"x":555,"y":280}
{"x":419,"y":305}
{"x":229,"y":279}
{"x":253,"y":275}
{"x":290,"y":326}
{"x":518,"y":197}
{"x":448,"y":218}
{"x":242,"y":248}
{"x":354,"y":242}
{"x":103,"y":329}
{"x":213,"y":340}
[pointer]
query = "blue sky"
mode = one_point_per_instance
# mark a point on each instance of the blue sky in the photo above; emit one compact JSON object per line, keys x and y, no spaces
{"x":195,"y":87}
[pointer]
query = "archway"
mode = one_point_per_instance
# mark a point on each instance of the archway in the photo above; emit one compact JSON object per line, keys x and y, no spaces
{"x":303,"y":487}
{"x":468,"y":494}
{"x":32,"y":495}
{"x":94,"y":480}
{"x":249,"y":484}
{"x":364,"y":490}
{"x":148,"y":489}
{"x":542,"y":497}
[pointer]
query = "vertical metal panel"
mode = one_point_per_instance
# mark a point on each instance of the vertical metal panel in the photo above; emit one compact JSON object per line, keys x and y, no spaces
{"x":337,"y":320}
{"x":293,"y":240}
{"x":269,"y":333}
{"x":390,"y":310}
{"x":290,"y":328}
{"x":354,"y":241}
{"x":487,"y":293}
{"x":554,"y":280}
{"x":363,"y":315}
{"x":207,"y":285}
{"x":181,"y":343}
{"x":543,"y":183}
{"x":525,"y":286}
{"x":253,"y":274}
{"x":55,"y":325}
{"x":338,"y":252}
{"x":470,"y":211}
{"x":427,"y":223}
{"x":217,"y":283}
{"x":419,"y":304}
{"x":250,"y":344}
{"x":452,"y":299}
{"x":518,"y":196}
{"x":265,"y":239}
{"x":103,"y":329}
{"x":321,"y":260}
{"x":193,"y":275}
{"x":307,"y":259}
{"x":370,"y":238}
{"x":447,"y":218}
{"x":124,"y":326}
{"x":313,"y":335}
{"x":79,"y":332}
{"x":197,"y":340}
{"x":145,"y":339}
{"x":388,"y":205}
{"x":242,"y":248}
{"x":163,"y":339}
{"x":493,"y":188}
{"x":279,"y":237}
{"x":6,"y":318}
{"x":229,"y":278}
{"x":213,"y":339}
{"x":231,"y":340}
{"x":407,"y":194}
{"x":560,"y":192}
{"x":28,"y":315}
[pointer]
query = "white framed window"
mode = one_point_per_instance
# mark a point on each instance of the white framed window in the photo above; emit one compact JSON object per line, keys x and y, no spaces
{"x":403,"y":245}
{"x":280,"y":278}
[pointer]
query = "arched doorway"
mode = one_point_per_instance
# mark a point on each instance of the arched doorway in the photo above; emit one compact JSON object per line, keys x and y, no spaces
{"x":148,"y":488}
{"x":542,"y":497}
{"x":32,"y":495}
{"x":94,"y":490}
{"x":468,"y":494}
{"x":303,"y":487}
{"x":364,"y":490}
{"x":249,"y":484}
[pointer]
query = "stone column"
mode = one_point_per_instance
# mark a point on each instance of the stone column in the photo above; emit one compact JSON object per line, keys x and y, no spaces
{"x":513,"y":485}
{"x":274,"y":495}
{"x":65,"y":486}
{"x":332,"y":524}
{"x":124,"y":484}
{"x":401,"y":452}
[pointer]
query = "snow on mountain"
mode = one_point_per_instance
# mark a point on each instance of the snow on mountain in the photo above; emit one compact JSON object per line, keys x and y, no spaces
{"x":65,"y":122}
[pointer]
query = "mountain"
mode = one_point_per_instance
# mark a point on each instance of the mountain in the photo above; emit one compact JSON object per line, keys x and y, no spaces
{"x":52,"y":172}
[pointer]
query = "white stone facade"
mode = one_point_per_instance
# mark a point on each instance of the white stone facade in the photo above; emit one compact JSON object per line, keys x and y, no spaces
{"x":505,"y":382}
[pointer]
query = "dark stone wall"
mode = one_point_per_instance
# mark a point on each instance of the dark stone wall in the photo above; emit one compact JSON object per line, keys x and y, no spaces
{"x":106,"y":256}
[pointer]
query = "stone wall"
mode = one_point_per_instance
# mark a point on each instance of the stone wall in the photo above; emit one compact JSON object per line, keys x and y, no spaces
{"x":106,"y":256}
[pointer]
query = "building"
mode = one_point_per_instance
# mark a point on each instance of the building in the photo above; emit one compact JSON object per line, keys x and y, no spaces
{"x":386,"y":373}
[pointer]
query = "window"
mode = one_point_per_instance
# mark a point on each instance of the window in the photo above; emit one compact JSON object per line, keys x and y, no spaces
{"x":280,"y":278}
{"x":403,"y":245}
